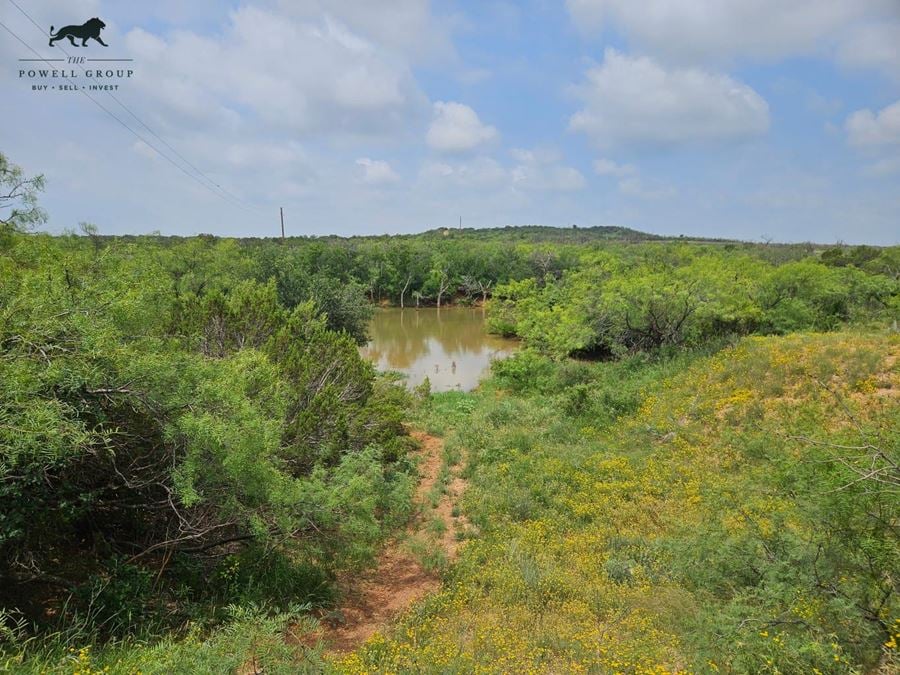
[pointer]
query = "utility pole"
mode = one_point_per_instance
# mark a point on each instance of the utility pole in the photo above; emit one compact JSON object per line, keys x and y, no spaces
{"x":281,"y":211}
{"x":460,"y":222}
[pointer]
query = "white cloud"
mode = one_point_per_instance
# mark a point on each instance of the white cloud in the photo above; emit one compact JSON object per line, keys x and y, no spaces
{"x":540,"y":169}
{"x":474,"y":76}
{"x":403,"y":26}
{"x":635,"y":187}
{"x":250,"y":154}
{"x":457,"y":128}
{"x":561,"y":178}
{"x":144,"y":150}
{"x":534,"y":170}
{"x":57,"y":13}
{"x":377,"y":172}
{"x":873,"y":130}
{"x":883,"y":167}
{"x":607,"y":167}
{"x":542,"y":154}
{"x":565,"y":178}
{"x":630,"y":182}
{"x":700,"y":30}
{"x":478,"y":173}
{"x":634,"y":100}
{"x":872,"y":45}
{"x":302,"y":76}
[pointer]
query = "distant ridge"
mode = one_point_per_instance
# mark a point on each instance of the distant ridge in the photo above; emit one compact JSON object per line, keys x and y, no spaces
{"x":526,"y":234}
{"x":508,"y":233}
{"x":547,"y":233}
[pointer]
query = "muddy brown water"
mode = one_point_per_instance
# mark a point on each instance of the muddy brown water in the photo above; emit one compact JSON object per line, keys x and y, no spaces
{"x":449,"y":346}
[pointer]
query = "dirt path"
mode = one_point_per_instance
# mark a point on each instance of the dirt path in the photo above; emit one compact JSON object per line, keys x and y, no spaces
{"x":371,"y":600}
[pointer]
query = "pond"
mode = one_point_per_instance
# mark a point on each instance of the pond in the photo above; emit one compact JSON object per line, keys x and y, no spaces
{"x":450,"y":346}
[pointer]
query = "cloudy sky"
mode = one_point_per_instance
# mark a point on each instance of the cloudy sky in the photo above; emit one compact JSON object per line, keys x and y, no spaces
{"x":732,"y":118}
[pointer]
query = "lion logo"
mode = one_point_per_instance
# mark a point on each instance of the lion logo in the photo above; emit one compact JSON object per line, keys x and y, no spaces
{"x":89,"y":30}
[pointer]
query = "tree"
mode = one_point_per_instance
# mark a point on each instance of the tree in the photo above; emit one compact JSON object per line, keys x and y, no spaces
{"x":472,"y":286}
{"x":443,"y":284}
{"x":438,"y":282}
{"x":545,"y":262}
{"x":19,"y":208}
{"x":344,"y":306}
{"x":158,"y":416}
{"x":405,"y":286}
{"x":407,"y":264}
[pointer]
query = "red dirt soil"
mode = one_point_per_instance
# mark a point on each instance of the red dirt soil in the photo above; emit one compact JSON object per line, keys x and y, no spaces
{"x":374,"y":598}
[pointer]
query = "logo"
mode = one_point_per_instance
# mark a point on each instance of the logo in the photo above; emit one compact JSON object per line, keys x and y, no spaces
{"x":67,"y":72}
{"x":89,"y":30}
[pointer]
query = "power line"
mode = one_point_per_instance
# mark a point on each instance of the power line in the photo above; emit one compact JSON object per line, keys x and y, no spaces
{"x":225,"y":194}
{"x":234,"y":198}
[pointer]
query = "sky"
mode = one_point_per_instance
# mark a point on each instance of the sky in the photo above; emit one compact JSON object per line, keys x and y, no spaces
{"x":750,"y":119}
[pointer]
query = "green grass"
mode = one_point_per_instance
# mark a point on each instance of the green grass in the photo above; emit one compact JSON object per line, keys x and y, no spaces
{"x":252,"y":636}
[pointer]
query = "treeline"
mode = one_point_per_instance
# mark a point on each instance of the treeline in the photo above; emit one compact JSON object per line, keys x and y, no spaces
{"x":348,"y":277}
{"x":625,"y":300}
{"x":408,"y":272}
{"x":442,"y":267}
{"x":404,"y":271}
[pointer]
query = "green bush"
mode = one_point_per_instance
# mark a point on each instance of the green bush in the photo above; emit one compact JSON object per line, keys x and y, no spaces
{"x":524,"y":371}
{"x":157,"y":419}
{"x":680,"y":296}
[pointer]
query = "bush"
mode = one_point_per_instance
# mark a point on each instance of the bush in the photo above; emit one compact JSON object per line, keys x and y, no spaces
{"x":676,"y":296}
{"x":522,"y":372}
{"x":154,"y":425}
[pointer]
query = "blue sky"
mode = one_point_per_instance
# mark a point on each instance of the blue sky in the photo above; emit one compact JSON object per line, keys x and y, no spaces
{"x":734,"y":118}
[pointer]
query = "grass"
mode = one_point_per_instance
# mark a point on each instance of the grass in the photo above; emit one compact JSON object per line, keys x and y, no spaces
{"x":429,"y":554}
{"x":437,"y":526}
{"x":253,"y":640}
{"x":695,"y":513}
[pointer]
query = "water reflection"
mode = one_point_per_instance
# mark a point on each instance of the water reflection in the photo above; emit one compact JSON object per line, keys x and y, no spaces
{"x":449,"y":346}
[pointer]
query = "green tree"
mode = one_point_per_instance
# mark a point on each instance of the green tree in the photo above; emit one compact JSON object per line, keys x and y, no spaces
{"x":19,"y":209}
